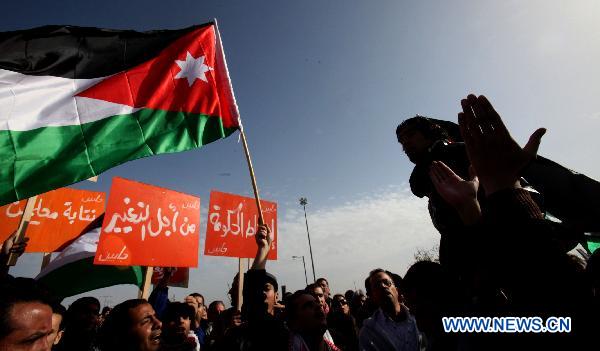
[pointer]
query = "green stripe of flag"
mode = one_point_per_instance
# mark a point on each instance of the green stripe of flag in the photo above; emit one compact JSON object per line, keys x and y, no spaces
{"x":36,"y":160}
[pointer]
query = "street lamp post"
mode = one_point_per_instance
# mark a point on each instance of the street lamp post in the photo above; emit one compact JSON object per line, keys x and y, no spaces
{"x":304,"y":202}
{"x":304,"y":265}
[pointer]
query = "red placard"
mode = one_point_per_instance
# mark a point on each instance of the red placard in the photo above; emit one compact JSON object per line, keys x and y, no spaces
{"x":149,"y":226}
{"x":58,"y":217}
{"x":179,"y":279}
{"x":232,"y":223}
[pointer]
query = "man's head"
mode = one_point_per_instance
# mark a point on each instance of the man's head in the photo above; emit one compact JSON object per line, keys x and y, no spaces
{"x":233,"y":291}
{"x":305,"y":315}
{"x":381,"y":288}
{"x":358,"y":300}
{"x":324,"y":284}
{"x":192,"y":301}
{"x":59,"y":313}
{"x":317,"y":292}
{"x":215,"y":309}
{"x":417,"y":134}
{"x":131,"y":325}
{"x":25,"y":316}
{"x":83,"y":314}
{"x":270,"y":293}
{"x":177,"y":322}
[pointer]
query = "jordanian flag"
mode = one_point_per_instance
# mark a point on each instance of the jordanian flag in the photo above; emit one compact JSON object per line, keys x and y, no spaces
{"x":75,"y":101}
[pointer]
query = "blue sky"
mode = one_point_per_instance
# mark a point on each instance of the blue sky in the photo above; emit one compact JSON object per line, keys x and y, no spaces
{"x":321,"y":86}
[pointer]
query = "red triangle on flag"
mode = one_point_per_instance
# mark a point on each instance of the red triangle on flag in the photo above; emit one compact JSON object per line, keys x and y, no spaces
{"x":182,"y":78}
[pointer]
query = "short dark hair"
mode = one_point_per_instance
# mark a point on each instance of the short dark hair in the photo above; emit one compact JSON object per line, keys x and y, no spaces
{"x":179,"y":309}
{"x":114,"y":333}
{"x":318,"y":281}
{"x":213,"y":305}
{"x":82,"y":302}
{"x":309,"y":288}
{"x":425,"y":125}
{"x":18,"y":290}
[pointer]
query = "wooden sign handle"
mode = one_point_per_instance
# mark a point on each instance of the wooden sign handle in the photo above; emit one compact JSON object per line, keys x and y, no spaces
{"x":240,"y":292}
{"x":12,"y":259}
{"x":144,"y":292}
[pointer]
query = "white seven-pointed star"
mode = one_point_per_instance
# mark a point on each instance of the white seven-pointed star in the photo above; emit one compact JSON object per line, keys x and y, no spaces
{"x":192,"y":68}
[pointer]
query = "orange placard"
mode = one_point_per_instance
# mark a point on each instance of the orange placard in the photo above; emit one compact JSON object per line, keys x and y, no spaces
{"x":232,"y":223}
{"x":179,"y":279}
{"x":59,"y":216}
{"x":149,"y":226}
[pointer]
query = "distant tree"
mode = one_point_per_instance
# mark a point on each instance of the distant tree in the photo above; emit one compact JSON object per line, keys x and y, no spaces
{"x":432,"y":254}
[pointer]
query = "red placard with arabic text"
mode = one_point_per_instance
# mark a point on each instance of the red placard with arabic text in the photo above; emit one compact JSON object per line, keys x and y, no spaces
{"x":58,"y":217}
{"x":232,"y":223}
{"x":179,"y":279}
{"x":149,"y":226}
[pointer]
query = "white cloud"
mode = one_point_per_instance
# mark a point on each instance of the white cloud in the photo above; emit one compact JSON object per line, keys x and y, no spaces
{"x":379,"y":230}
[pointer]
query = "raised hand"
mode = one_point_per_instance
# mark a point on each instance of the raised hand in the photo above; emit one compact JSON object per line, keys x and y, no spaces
{"x":496,"y":157}
{"x":10,"y":245}
{"x":459,"y":193}
{"x":263,"y":241}
{"x":263,"y":237}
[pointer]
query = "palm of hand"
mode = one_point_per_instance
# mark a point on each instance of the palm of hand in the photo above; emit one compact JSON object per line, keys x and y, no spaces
{"x":456,"y":191}
{"x":494,"y":154}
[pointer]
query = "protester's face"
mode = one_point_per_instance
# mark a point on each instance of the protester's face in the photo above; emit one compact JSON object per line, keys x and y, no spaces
{"x":215,"y":312}
{"x":203,"y":312}
{"x":179,"y":328}
{"x":318,"y":294}
{"x":270,"y":296}
{"x":233,"y":291}
{"x":31,"y":323}
{"x":145,"y":328}
{"x":200,"y":300}
{"x":384,"y":291}
{"x":414,"y":143}
{"x":325,"y":286}
{"x":56,"y":335}
{"x":86,"y":317}
{"x":310,"y":317}
{"x":341,"y":305}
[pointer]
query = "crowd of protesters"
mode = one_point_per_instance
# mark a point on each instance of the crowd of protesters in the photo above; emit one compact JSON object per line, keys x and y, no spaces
{"x":499,"y":255}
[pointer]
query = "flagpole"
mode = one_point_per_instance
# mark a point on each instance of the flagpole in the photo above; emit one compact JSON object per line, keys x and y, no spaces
{"x":25,"y":218}
{"x":252,"y":176}
{"x":235,"y":111}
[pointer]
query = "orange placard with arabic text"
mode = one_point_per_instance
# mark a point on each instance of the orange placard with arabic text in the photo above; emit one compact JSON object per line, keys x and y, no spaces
{"x":149,"y":226}
{"x":58,"y":217}
{"x":232,"y":223}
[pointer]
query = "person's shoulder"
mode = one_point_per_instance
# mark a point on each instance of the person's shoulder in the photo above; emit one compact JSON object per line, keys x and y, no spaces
{"x":372,"y":321}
